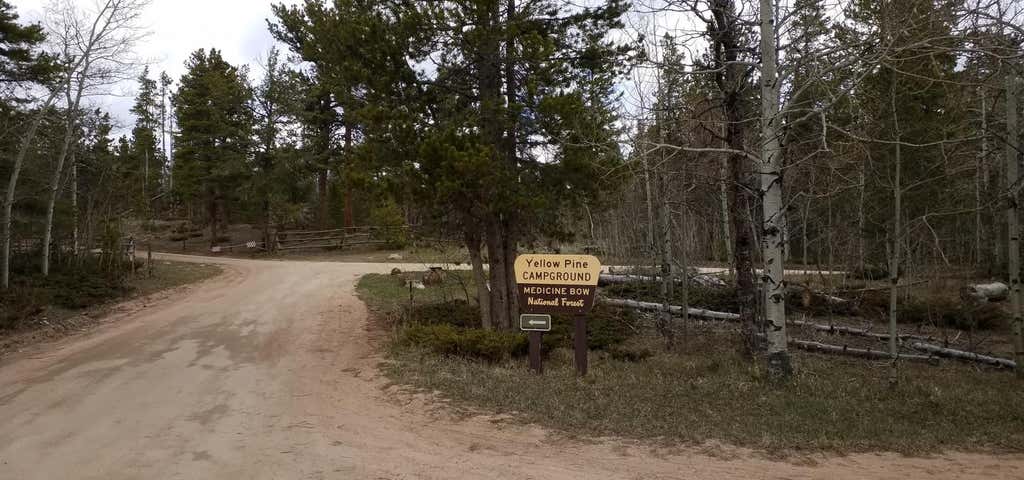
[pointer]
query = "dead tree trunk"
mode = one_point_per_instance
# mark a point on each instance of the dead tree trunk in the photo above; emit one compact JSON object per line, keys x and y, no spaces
{"x":897,"y":240}
{"x":979,"y":181}
{"x":665,"y":243}
{"x":1012,"y":224}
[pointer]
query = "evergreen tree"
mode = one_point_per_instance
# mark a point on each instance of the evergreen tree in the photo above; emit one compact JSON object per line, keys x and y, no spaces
{"x":524,"y":115}
{"x":145,"y":147}
{"x":213,"y":141}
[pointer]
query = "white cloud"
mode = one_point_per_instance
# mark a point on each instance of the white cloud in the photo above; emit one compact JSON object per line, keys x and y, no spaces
{"x":179,"y":27}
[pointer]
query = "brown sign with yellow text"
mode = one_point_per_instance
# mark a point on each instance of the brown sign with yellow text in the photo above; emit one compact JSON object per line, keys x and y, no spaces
{"x":557,"y":283}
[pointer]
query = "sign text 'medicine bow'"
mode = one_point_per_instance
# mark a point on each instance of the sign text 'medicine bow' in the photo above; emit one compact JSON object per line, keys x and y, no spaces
{"x":557,"y":270}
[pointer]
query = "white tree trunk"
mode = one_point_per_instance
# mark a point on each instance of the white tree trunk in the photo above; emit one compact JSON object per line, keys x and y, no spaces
{"x":772,"y":241}
{"x":73,"y":102}
{"x":12,"y":185}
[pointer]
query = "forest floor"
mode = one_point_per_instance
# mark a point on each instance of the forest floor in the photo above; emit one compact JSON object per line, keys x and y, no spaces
{"x":704,"y":392}
{"x":52,"y":322}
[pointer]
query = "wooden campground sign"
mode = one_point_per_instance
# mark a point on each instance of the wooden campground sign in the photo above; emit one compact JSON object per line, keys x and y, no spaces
{"x":556,"y":284}
{"x":559,"y":284}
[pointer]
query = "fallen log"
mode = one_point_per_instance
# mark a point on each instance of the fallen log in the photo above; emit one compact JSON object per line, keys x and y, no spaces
{"x":856,"y":352}
{"x":703,"y":313}
{"x":856,"y":331}
{"x":674,"y":309}
{"x":986,"y":292}
{"x":883,"y":288}
{"x":801,"y":344}
{"x":962,"y":355}
{"x":703,"y":280}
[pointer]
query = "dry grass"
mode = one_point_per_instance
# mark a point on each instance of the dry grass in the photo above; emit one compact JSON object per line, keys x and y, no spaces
{"x":707,"y":392}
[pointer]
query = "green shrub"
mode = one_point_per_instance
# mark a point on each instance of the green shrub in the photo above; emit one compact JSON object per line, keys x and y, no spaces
{"x":389,"y":216}
{"x":606,"y":327}
{"x":68,"y":286}
{"x":457,"y":313}
{"x":488,"y":345}
{"x":78,"y":289}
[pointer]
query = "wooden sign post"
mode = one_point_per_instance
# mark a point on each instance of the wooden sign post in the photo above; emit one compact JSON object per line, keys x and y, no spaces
{"x":556,"y":284}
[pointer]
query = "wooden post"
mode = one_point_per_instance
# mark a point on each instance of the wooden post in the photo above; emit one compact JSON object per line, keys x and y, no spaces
{"x":536,"y":364}
{"x":580,"y":345}
{"x":149,"y":258}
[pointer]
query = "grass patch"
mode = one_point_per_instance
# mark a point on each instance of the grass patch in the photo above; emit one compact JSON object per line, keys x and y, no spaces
{"x":706,"y":392}
{"x":170,"y":275}
{"x":391,"y":293}
{"x":709,"y":393}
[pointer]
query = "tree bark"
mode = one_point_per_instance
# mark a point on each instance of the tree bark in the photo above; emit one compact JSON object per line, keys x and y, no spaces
{"x":665,"y":243}
{"x":74,"y":205}
{"x":349,"y":220}
{"x":772,"y":239}
{"x":723,"y":187}
{"x":322,"y":196}
{"x":979,"y":181}
{"x":502,"y":294}
{"x":1012,"y":224}
{"x":58,"y":171}
{"x":483,"y":293}
{"x":732,"y":83}
{"x":897,"y":241}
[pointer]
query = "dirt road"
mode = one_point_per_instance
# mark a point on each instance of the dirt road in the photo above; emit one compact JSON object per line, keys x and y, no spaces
{"x":269,"y":372}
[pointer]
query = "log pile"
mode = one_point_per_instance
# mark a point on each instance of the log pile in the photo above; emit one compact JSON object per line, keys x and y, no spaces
{"x":674,"y":309}
{"x":702,"y":280}
{"x":986,"y":292}
{"x":933,"y":350}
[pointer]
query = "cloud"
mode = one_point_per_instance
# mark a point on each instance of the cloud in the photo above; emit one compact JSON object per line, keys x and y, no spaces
{"x":178,"y":28}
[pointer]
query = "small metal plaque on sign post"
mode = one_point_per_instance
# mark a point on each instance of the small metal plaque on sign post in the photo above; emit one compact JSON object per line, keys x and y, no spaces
{"x":535,"y":323}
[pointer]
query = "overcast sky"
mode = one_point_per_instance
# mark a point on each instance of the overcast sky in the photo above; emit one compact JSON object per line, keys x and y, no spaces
{"x":178,"y":27}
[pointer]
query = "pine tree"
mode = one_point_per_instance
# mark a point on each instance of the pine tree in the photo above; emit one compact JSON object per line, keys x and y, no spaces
{"x":145,"y":146}
{"x":213,"y":141}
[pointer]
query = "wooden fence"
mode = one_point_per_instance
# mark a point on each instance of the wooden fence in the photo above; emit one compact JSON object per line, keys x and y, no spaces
{"x":338,"y":238}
